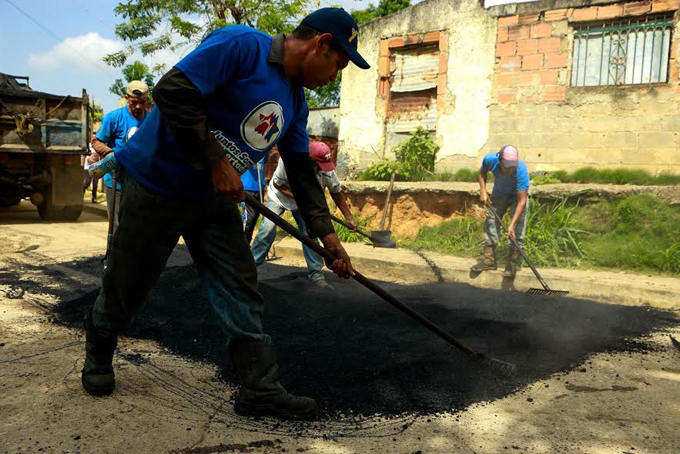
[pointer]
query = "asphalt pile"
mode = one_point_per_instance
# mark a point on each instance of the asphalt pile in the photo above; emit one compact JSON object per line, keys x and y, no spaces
{"x":357,"y":355}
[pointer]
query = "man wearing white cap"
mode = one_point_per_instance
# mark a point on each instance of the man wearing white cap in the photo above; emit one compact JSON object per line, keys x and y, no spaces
{"x":280,"y":198}
{"x":510,"y":190}
{"x":117,"y":127}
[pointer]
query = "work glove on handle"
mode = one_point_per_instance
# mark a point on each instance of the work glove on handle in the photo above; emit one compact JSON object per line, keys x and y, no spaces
{"x":104,"y":166}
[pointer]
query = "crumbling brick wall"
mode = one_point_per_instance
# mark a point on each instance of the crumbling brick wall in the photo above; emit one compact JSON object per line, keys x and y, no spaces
{"x":559,"y":126}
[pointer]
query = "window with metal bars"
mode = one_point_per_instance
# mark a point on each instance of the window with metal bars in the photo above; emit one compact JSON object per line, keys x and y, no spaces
{"x":622,"y":53}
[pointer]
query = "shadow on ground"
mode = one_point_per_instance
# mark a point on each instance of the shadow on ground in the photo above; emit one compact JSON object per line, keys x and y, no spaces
{"x":356,"y":354}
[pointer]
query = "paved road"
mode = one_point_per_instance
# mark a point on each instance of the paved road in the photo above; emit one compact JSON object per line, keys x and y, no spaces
{"x":625,"y":402}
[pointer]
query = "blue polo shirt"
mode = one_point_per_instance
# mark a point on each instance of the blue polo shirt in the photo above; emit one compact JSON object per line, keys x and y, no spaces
{"x":250,"y":104}
{"x":117,"y":127}
{"x":502,"y":184}
{"x":251,"y":181}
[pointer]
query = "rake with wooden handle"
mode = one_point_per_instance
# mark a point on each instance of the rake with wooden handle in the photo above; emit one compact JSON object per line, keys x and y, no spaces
{"x":532,"y":291}
{"x":495,"y":365}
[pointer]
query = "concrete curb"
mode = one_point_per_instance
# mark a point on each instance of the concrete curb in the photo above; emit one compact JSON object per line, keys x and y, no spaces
{"x":408,"y":266}
{"x":96,"y":208}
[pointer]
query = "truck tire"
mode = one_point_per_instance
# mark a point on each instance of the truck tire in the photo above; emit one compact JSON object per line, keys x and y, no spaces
{"x":51,"y":212}
{"x":5,"y":203}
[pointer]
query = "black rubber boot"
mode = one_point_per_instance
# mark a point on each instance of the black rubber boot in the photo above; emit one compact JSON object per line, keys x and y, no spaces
{"x":487,"y":262}
{"x":511,"y":266}
{"x":97,"y":377}
{"x":261,"y":393}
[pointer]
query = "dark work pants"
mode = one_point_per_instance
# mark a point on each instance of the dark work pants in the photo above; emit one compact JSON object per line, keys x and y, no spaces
{"x":250,"y":217}
{"x":148,"y":230}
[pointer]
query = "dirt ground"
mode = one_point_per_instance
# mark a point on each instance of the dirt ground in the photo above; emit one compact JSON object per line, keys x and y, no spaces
{"x":593,"y":378}
{"x":430,"y":203}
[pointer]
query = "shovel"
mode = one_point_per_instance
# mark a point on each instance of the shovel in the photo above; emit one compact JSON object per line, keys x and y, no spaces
{"x":532,"y":291}
{"x":385,"y":236}
{"x":377,"y":242}
{"x":495,"y":365}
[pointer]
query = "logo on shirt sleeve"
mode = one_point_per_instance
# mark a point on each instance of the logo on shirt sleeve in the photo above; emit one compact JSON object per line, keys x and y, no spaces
{"x":262,"y":126}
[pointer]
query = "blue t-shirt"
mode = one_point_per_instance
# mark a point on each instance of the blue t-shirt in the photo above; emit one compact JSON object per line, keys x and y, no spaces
{"x":250,"y":179}
{"x":502,"y":184}
{"x":250,"y":104}
{"x":116,"y":129}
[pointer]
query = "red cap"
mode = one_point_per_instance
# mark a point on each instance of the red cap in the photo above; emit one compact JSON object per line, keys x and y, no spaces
{"x":320,"y":152}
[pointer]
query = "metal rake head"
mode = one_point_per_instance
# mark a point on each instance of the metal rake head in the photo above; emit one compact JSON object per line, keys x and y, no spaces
{"x":542,"y":291}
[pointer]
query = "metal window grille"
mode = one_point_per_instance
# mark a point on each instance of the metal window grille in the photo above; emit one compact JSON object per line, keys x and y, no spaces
{"x":622,"y":53}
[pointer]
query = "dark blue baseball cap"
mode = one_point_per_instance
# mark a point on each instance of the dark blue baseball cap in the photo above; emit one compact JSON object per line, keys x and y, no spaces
{"x":344,"y":29}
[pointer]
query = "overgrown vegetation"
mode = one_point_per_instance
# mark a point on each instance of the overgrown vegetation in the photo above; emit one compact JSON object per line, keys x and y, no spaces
{"x":415,"y":158}
{"x":640,"y":233}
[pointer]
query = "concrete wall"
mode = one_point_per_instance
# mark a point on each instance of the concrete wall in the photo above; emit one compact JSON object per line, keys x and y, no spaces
{"x":323,"y":122}
{"x":466,"y":43}
{"x":557,"y":126}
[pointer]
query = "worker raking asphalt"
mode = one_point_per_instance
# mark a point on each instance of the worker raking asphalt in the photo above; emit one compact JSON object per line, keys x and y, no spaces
{"x":355,"y":354}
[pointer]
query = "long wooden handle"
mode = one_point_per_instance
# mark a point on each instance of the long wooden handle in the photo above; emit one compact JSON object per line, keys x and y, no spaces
{"x":363,"y":280}
{"x":520,"y":249}
{"x":387,"y":202}
{"x":358,"y":230}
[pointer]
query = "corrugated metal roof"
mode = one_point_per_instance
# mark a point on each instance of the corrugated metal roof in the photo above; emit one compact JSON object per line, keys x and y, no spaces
{"x":415,"y":70}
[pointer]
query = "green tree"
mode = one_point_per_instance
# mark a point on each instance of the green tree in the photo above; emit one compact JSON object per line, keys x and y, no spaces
{"x":384,"y":8}
{"x":148,"y":25}
{"x":326,"y":96}
{"x":97,"y":112}
{"x":329,"y":95}
{"x":134,"y":71}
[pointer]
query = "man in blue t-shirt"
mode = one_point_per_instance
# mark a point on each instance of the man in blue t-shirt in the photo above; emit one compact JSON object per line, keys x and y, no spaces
{"x":219,"y":111}
{"x":510,"y":190}
{"x":253,"y":184}
{"x":117,"y":127}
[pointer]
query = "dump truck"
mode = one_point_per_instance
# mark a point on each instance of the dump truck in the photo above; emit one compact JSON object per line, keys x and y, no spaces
{"x":42,"y":137}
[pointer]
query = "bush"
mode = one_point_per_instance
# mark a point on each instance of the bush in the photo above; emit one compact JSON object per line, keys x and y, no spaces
{"x":415,"y":160}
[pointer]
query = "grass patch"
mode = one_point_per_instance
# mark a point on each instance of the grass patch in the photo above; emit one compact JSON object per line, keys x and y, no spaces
{"x":459,"y":236}
{"x":607,"y":176}
{"x":348,"y":236}
{"x":465,"y":175}
{"x":584,"y":175}
{"x":639,"y":233}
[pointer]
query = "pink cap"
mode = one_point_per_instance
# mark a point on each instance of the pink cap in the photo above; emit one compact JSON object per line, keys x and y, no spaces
{"x":320,"y":152}
{"x":509,"y":156}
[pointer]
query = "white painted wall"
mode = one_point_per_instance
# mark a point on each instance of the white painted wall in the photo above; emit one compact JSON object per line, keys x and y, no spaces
{"x":323,"y":121}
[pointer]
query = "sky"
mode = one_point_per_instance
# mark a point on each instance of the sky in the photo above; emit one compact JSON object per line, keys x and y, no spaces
{"x":59,"y":44}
